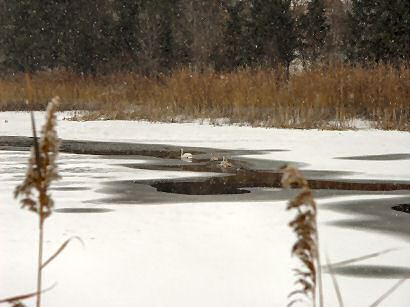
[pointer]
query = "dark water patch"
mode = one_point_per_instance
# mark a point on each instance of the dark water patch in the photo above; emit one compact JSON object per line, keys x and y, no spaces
{"x":14,"y":148}
{"x":263,"y":164}
{"x":402,"y":208}
{"x":244,"y":178}
{"x":100,"y":177}
{"x":83,"y":210}
{"x":101,"y":148}
{"x":142,"y":193}
{"x":374,"y":271}
{"x":70,"y":189}
{"x":359,"y":185}
{"x":121,"y":148}
{"x":235,"y":182}
{"x":198,"y":188}
{"x":179,"y":165}
{"x":198,"y":165}
{"x":386,"y":157}
{"x":130,"y":192}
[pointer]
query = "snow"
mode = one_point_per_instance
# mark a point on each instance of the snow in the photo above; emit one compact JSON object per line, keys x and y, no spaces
{"x":192,"y":254}
{"x":319,"y":149}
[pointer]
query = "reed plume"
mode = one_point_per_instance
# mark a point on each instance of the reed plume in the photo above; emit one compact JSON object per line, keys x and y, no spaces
{"x":306,"y":247}
{"x":41,"y":172}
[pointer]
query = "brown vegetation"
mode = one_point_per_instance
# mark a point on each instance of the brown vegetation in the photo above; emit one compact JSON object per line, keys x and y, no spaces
{"x":328,"y":97}
{"x":34,"y":191}
{"x":306,"y":247}
{"x":41,"y":172}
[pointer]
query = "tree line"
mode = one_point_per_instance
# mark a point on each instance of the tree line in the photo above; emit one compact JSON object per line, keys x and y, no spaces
{"x":157,"y":36}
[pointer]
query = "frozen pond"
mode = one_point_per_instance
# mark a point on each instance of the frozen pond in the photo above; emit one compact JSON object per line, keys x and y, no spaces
{"x":155,"y":235}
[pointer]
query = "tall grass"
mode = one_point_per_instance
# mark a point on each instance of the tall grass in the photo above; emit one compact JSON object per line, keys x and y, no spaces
{"x":34,"y":191}
{"x":329,"y":96}
{"x":306,"y":247}
{"x":41,"y":172}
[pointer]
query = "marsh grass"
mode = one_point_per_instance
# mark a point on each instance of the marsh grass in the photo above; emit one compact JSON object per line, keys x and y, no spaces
{"x":41,"y":172}
{"x":34,"y":190}
{"x":306,"y":247}
{"x":329,"y":96}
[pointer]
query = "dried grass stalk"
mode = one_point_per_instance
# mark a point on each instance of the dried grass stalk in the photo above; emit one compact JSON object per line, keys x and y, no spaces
{"x":306,"y":247}
{"x":42,"y":168}
{"x":388,"y":292}
{"x":335,"y":283}
{"x":41,"y":172}
{"x":60,"y":249}
{"x":330,"y":96}
{"x":357,"y":259}
{"x":15,"y":301}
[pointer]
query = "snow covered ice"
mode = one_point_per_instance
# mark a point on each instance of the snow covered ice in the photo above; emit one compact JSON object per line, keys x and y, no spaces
{"x":204,"y":253}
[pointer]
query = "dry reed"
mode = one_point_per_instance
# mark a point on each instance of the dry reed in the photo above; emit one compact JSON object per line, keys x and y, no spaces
{"x":334,"y":282}
{"x":388,"y":292}
{"x":41,"y":172}
{"x":306,"y":247}
{"x":329,"y":96}
{"x":16,"y":301}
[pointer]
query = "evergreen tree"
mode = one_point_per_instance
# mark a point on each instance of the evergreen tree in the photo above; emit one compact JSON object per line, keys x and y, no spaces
{"x":24,"y":35}
{"x":168,"y":48}
{"x":3,"y":25}
{"x":145,"y":34}
{"x":203,"y":23}
{"x":125,"y":27}
{"x":52,"y":33}
{"x":154,"y":37}
{"x":379,"y":31}
{"x":87,"y":35}
{"x":180,"y":34}
{"x":312,"y":31}
{"x":236,"y":51}
{"x":336,"y":17}
{"x":273,"y":30}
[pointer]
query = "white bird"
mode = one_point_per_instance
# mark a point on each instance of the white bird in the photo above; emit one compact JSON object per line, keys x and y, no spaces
{"x":225,"y":163}
{"x":185,"y":156}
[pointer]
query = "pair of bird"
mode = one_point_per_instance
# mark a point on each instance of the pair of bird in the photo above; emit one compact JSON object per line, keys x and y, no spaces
{"x":224,"y":163}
